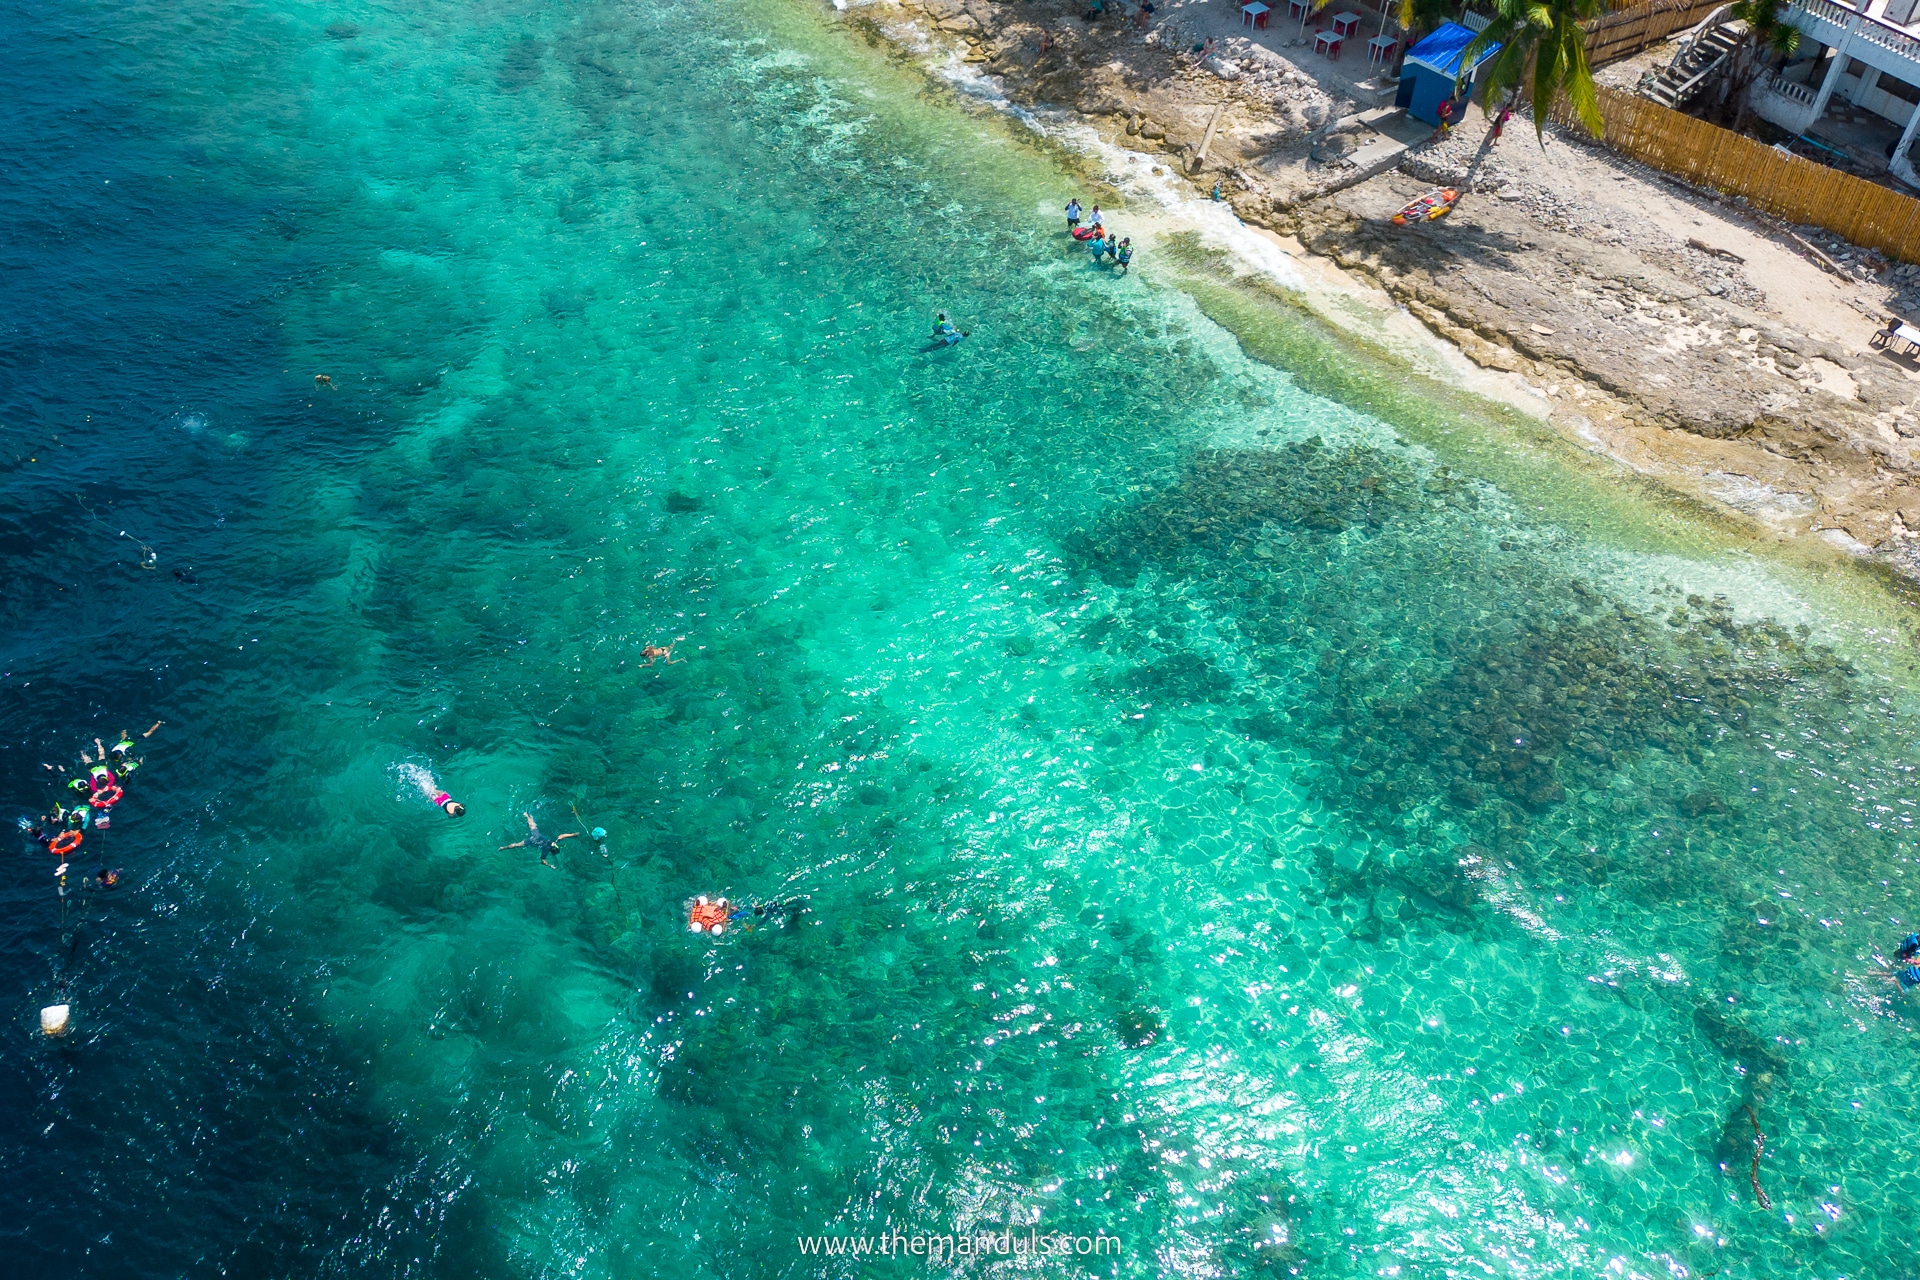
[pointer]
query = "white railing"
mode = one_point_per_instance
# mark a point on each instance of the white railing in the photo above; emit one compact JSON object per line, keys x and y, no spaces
{"x":1792,"y":89}
{"x":1698,"y":33}
{"x":1884,"y":34}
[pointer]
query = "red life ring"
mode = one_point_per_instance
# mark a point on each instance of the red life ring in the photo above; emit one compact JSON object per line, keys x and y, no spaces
{"x":64,"y":843}
{"x":707,"y":917}
{"x":105,"y":798}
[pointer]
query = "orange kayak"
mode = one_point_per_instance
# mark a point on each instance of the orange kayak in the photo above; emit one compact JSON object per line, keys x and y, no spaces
{"x":1435,"y":204}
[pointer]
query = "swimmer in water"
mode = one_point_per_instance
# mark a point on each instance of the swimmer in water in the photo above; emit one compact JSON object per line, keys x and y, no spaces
{"x":945,"y":334}
{"x":764,"y":914}
{"x":433,"y":791}
{"x":535,"y":840}
{"x":664,"y":655}
{"x":106,"y":878}
{"x":1905,"y":969}
{"x":780,"y":910}
{"x":322,"y":380}
{"x":124,"y":748}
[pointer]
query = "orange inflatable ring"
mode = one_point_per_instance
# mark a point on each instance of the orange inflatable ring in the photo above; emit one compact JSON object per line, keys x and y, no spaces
{"x":707,"y":917}
{"x":106,"y":797}
{"x":64,"y":843}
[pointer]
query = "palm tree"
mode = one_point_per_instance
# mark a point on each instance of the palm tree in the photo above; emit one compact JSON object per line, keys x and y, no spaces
{"x":1769,"y":39}
{"x":1422,"y":16}
{"x":1541,"y":41}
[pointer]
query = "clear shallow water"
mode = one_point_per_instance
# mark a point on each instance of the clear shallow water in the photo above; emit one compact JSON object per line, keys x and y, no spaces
{"x":1228,"y":824}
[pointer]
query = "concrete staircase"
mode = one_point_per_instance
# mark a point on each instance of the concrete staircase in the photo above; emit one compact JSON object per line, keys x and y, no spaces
{"x":1705,"y":54}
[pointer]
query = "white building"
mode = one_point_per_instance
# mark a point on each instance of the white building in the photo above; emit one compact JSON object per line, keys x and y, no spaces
{"x":1869,"y":56}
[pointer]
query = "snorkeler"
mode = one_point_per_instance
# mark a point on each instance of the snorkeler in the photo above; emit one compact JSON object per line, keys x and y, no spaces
{"x":535,"y":840}
{"x":779,"y":911}
{"x":124,"y":748}
{"x":664,"y":654}
{"x":945,"y":334}
{"x":1907,"y":962}
{"x":322,"y":380}
{"x":105,"y":878}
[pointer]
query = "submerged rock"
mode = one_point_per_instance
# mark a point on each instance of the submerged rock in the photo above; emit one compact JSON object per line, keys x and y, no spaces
{"x":1138,"y":1028}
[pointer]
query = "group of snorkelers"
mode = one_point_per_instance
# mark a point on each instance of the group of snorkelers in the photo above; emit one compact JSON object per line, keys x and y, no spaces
{"x":1101,"y":243}
{"x":704,"y":914}
{"x":87,"y":805}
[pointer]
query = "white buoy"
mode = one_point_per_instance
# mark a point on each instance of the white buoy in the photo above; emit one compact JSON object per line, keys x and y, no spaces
{"x":53,"y":1019}
{"x":695,"y":925}
{"x":718,"y":927}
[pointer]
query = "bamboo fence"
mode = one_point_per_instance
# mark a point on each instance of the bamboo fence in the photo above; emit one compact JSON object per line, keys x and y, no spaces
{"x":1625,"y":32}
{"x":1799,"y":190}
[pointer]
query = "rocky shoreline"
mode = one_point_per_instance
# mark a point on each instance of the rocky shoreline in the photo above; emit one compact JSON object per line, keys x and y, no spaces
{"x":1690,"y":339}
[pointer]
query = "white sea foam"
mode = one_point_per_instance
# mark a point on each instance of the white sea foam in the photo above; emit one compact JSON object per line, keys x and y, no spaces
{"x":416,"y":778}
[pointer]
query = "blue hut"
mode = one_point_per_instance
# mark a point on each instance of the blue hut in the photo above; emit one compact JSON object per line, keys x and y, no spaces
{"x":1432,"y":69}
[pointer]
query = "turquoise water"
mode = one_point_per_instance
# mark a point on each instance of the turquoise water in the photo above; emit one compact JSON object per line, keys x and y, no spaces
{"x":1232,"y":822}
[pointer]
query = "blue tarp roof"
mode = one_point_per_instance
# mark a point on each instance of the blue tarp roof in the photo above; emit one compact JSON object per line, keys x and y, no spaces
{"x":1443,"y":50}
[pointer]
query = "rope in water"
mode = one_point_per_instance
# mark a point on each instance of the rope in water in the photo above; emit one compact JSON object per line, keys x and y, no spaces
{"x":1753,"y":1170}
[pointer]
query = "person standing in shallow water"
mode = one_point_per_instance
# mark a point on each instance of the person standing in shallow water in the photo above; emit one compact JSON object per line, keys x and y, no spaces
{"x":535,"y":840}
{"x":1073,"y":213}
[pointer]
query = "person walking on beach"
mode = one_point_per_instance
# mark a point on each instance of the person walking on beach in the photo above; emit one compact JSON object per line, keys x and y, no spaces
{"x":1446,"y":116}
{"x":535,"y":840}
{"x":1073,"y":213}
